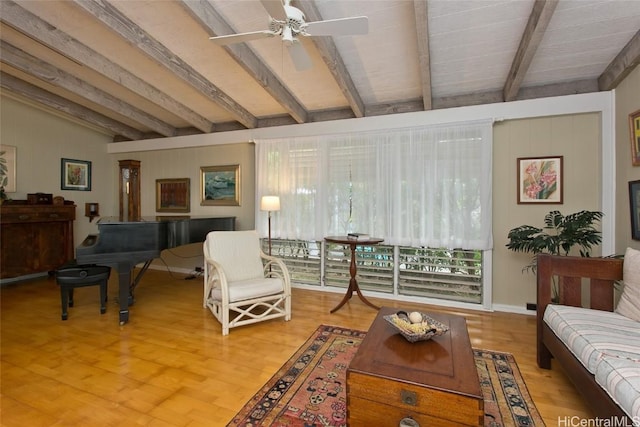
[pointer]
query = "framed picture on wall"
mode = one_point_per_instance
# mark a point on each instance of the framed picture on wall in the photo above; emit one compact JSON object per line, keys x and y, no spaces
{"x":8,"y":168}
{"x":75,"y":175}
{"x":634,"y":202}
{"x":634,"y":130}
{"x":540,"y":180}
{"x":220,"y":185}
{"x":173,"y":195}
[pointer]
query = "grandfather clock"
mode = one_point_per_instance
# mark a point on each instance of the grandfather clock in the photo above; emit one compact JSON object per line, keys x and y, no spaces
{"x":129,"y":190}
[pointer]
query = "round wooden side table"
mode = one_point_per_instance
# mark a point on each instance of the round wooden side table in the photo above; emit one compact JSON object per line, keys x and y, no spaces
{"x":353,"y":283}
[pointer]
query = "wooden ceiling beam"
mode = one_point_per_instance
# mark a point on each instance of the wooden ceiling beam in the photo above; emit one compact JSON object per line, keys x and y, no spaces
{"x":395,"y":107}
{"x":421,"y":12}
{"x":37,"y":29}
{"x":58,"y":103}
{"x":622,"y":64}
{"x":206,"y":15}
{"x":136,"y":36}
{"x":330,"y":55}
{"x":559,"y":89}
{"x":41,"y":70}
{"x":532,"y":36}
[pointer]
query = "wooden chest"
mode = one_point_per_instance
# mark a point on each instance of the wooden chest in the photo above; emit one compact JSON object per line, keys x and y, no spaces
{"x":425,"y":383}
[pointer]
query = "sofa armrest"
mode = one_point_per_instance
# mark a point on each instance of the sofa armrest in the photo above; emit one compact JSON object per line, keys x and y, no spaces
{"x":567,"y":273}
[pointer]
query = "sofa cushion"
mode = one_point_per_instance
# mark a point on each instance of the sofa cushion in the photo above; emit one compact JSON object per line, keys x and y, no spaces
{"x":629,"y":304}
{"x":620,"y":378}
{"x":589,"y":334}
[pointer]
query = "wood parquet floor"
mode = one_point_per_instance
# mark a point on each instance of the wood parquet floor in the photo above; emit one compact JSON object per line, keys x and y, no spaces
{"x":170,"y":365}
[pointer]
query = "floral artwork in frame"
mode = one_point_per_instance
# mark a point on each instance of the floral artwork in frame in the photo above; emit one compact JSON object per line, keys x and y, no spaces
{"x":540,"y":180}
{"x":8,"y":168}
{"x":634,"y":129}
{"x":220,"y":185}
{"x":75,"y":175}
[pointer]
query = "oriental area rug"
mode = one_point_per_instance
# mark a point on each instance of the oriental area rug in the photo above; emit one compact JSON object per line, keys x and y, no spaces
{"x":309,"y":390}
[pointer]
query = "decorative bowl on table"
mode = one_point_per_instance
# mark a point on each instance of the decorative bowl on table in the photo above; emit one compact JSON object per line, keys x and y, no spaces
{"x":416,"y":326}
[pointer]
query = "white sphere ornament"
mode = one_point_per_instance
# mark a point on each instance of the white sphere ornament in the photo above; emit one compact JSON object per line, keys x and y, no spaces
{"x":415,"y":317}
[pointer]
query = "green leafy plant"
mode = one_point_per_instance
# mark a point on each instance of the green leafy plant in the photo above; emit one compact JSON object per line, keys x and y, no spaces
{"x":559,"y":235}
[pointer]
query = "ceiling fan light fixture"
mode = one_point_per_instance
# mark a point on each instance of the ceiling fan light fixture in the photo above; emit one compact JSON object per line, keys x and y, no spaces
{"x":287,"y":35}
{"x":295,"y":18}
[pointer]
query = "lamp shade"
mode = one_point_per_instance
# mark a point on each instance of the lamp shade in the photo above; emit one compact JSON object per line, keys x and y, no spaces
{"x":270,"y":203}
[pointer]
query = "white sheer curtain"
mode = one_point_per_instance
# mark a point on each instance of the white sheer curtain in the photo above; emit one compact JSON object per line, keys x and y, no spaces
{"x":426,"y":186}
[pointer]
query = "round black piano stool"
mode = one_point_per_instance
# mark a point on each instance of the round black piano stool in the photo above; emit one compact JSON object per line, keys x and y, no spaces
{"x":76,"y":276}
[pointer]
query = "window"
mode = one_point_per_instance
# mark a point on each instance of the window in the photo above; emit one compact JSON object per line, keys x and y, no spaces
{"x":448,"y":274}
{"x":424,"y":187}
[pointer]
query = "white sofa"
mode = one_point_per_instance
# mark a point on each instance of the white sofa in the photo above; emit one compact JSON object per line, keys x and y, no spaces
{"x":598,"y":347}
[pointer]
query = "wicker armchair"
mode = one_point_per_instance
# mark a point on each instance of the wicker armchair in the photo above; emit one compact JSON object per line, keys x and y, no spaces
{"x":239,"y":287}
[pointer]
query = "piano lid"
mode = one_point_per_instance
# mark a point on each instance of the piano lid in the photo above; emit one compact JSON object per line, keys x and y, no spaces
{"x":158,"y":218}
{"x":161,"y":232}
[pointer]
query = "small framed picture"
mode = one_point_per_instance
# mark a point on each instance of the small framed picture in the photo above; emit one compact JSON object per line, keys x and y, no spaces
{"x":173,"y":195}
{"x":634,"y":130}
{"x":8,"y":168}
{"x":75,"y":175}
{"x":220,"y":185}
{"x":540,"y":180}
{"x":634,"y":202}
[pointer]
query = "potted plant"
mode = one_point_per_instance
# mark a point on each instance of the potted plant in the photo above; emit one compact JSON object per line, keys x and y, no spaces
{"x":559,"y":236}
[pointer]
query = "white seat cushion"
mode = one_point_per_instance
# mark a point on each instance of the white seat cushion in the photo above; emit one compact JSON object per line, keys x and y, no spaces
{"x":251,"y":288}
{"x":621,"y":379}
{"x":591,"y":333}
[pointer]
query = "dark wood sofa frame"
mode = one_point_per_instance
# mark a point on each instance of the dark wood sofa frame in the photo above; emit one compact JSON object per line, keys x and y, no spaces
{"x":569,"y":272}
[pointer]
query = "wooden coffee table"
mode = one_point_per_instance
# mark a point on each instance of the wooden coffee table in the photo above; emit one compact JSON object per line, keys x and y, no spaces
{"x":431,"y":382}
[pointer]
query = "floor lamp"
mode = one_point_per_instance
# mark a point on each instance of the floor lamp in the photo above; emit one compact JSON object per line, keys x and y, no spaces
{"x":270,"y":204}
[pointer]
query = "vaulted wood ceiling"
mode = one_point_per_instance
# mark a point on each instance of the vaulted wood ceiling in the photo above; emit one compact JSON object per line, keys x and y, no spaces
{"x":147,"y":69}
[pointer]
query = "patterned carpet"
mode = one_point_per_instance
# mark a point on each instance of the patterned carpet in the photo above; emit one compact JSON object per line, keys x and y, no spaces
{"x":309,"y":389}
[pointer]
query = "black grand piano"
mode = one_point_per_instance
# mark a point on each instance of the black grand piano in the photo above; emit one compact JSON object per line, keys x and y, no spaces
{"x":124,"y":244}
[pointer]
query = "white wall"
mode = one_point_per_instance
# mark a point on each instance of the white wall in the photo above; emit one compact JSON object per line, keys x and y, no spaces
{"x":42,"y":140}
{"x":627,"y":102}
{"x":186,"y":163}
{"x":576,"y":138}
{"x":578,"y":127}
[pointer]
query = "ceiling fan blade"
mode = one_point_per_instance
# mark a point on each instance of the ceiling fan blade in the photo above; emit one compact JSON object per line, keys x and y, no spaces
{"x":242,"y":37}
{"x":299,"y":55}
{"x":275,"y":9}
{"x":338,"y":27}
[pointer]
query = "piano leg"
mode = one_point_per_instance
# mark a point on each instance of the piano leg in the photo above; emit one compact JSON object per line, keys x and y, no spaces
{"x":126,"y":287}
{"x":124,"y":284}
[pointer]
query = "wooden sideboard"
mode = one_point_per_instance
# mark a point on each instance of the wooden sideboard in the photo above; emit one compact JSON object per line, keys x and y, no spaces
{"x":35,"y":238}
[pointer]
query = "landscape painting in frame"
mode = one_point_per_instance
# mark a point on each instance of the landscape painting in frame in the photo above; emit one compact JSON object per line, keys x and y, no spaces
{"x":540,"y":180}
{"x":75,"y":175}
{"x":220,"y":185}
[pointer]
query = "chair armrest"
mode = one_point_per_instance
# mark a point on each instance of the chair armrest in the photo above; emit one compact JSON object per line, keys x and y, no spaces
{"x":212,"y":271}
{"x":214,"y":265}
{"x":276,"y":267}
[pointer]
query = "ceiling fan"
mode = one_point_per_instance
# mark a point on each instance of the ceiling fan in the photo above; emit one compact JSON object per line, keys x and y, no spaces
{"x":289,"y":22}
